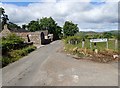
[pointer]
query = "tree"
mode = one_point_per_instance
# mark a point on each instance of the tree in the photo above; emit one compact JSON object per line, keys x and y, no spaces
{"x":95,"y":36}
{"x":13,"y":26}
{"x":2,"y":11}
{"x":70,"y":29}
{"x":4,"y":19}
{"x":107,"y":35}
{"x":3,"y":16}
{"x":59,"y":34}
{"x":33,"y":26}
{"x":24,"y":26}
{"x":50,"y":25}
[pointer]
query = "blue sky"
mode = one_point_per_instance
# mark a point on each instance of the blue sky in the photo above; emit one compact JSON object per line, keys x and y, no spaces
{"x":94,"y":2}
{"x":92,"y":15}
{"x":25,"y":3}
{"x":18,"y":3}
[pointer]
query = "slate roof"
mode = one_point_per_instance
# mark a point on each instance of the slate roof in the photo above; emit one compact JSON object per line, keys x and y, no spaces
{"x":14,"y":29}
{"x":18,"y":30}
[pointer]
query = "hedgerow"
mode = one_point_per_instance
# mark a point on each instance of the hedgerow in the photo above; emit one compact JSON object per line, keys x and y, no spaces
{"x":13,"y":48}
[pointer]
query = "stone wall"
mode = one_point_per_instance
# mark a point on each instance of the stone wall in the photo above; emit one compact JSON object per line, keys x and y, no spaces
{"x":5,"y":32}
{"x":34,"y":37}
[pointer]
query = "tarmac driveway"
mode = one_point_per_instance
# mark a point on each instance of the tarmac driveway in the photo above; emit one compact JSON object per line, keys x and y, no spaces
{"x":47,"y":66}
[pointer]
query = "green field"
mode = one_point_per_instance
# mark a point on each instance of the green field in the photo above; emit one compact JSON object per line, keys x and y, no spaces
{"x":100,"y":45}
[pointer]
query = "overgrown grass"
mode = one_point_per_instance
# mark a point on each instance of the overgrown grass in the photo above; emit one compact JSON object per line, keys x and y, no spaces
{"x":103,"y":55}
{"x":100,"y":45}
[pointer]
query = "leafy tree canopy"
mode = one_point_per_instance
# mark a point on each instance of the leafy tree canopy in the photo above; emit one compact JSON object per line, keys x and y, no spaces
{"x":2,"y":11}
{"x":33,"y":26}
{"x":107,"y":35}
{"x":13,"y":26}
{"x":24,"y":26}
{"x":70,"y":29}
{"x":52,"y":27}
{"x":3,"y":16}
{"x":48,"y":24}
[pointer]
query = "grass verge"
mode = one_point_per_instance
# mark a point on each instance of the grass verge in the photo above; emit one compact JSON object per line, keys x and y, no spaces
{"x":104,"y":55}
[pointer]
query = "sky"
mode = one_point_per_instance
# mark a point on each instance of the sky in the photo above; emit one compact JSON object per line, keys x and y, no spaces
{"x":90,"y":15}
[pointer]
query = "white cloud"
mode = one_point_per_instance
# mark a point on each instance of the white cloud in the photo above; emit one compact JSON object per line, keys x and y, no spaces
{"x":112,"y":0}
{"x":85,"y":14}
{"x":45,"y":0}
{"x":73,"y":0}
{"x":28,"y":0}
{"x":105,"y":0}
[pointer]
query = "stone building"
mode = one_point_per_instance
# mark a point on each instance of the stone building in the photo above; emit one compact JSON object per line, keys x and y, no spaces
{"x":38,"y":37}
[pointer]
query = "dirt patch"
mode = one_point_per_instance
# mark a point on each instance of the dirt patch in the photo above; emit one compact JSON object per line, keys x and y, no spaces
{"x":104,"y":56}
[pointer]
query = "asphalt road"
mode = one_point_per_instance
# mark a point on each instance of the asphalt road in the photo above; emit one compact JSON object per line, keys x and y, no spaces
{"x":47,"y":66}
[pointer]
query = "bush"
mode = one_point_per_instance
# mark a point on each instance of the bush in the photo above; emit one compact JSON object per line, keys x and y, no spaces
{"x":5,"y":61}
{"x":21,"y":52}
{"x":29,"y":49}
{"x":13,"y":48}
{"x":73,"y":40}
{"x":14,"y":55}
{"x":8,"y":42}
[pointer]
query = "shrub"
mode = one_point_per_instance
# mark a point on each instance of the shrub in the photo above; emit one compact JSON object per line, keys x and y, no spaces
{"x":8,"y":42}
{"x":13,"y":48}
{"x":29,"y":49}
{"x":5,"y":61}
{"x":73,"y":40}
{"x":21,"y":52}
{"x":14,"y":55}
{"x":13,"y":38}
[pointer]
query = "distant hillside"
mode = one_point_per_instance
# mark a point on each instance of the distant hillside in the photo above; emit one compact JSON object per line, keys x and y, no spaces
{"x":93,"y":32}
{"x":113,"y":32}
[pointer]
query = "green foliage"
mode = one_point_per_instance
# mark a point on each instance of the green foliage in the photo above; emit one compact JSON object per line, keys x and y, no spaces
{"x":33,"y":26}
{"x":21,"y":52}
{"x":73,"y":39}
{"x":107,"y":35}
{"x":50,"y":25}
{"x":58,"y":33}
{"x":24,"y":26}
{"x":13,"y":26}
{"x":100,"y":45}
{"x":115,"y":33}
{"x":70,"y":29}
{"x":14,"y":55}
{"x":3,"y":16}
{"x":46,"y":24}
{"x":8,"y":42}
{"x":104,"y":55}
{"x":13,"y":38}
{"x":5,"y":61}
{"x":2,"y":11}
{"x":29,"y":49}
{"x":94,"y":35}
{"x":80,"y":34}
